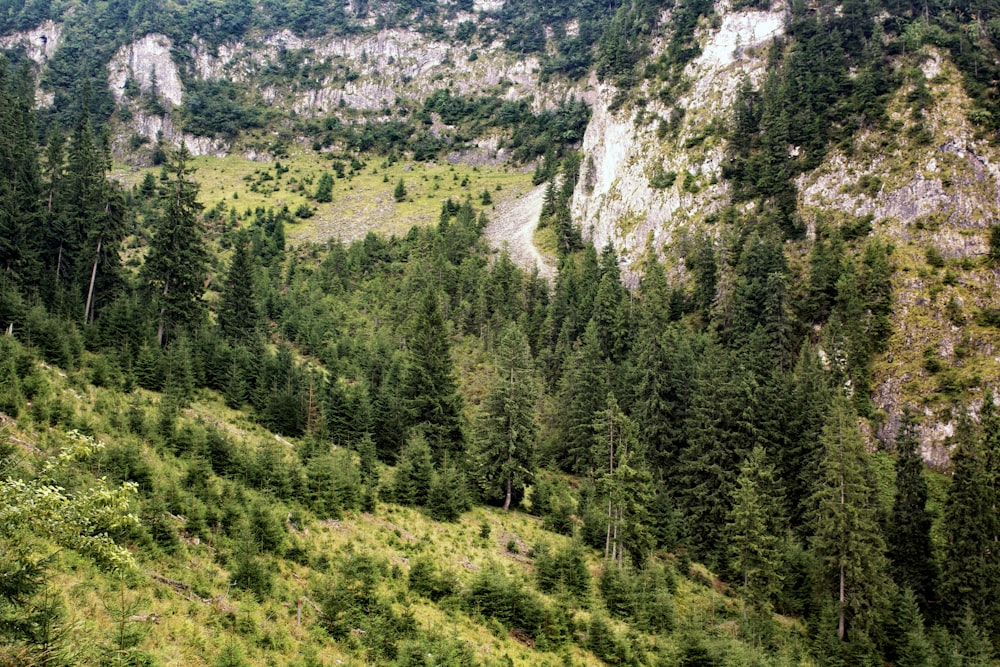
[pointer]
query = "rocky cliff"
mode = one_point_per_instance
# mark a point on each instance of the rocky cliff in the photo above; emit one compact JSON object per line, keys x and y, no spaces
{"x":615,"y":200}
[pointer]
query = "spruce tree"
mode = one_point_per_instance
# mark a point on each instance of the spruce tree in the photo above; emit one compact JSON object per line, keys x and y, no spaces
{"x":447,"y":497}
{"x":908,"y":643}
{"x":56,"y":218}
{"x":176,"y":266}
{"x":909,"y":533}
{"x":11,"y":396}
{"x":624,"y":482}
{"x":754,"y":529}
{"x":798,"y":462}
{"x":431,"y":394}
{"x":969,"y":574}
{"x":990,"y":419}
{"x":324,"y":190}
{"x":505,"y":446}
{"x":239,"y":311}
{"x":719,"y":434}
{"x":414,"y":472}
{"x":609,"y":304}
{"x":582,"y":393}
{"x":20,"y":180}
{"x":848,"y":542}
{"x":97,"y":217}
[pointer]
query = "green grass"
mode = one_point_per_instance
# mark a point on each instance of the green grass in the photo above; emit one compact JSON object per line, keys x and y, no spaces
{"x":547,"y":242}
{"x":195,"y":625}
{"x":362,"y":202}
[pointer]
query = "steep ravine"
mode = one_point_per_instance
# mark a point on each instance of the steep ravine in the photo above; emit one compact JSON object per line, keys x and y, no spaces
{"x":512,"y":226}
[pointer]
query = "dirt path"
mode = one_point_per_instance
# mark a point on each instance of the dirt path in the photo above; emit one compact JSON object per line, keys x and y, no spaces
{"x":514,"y":223}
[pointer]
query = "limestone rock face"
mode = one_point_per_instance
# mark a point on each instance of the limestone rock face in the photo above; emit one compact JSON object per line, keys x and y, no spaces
{"x":614,"y":200}
{"x":146,"y":61}
{"x":937,"y":194}
{"x":384,"y":66}
{"x":39,"y":44}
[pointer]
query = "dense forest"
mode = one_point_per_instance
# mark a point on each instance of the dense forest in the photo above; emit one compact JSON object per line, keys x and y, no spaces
{"x":708,"y":428}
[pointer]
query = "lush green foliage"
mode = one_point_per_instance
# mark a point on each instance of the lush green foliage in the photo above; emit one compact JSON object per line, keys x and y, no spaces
{"x":693,"y":418}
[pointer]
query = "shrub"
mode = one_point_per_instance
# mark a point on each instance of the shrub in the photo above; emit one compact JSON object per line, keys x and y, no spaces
{"x":426,"y":581}
{"x":497,"y":597}
{"x":562,"y":571}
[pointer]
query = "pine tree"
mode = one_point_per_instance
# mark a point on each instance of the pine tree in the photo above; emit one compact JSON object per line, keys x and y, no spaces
{"x":507,"y":426}
{"x":969,"y":576}
{"x":176,"y":266}
{"x":431,"y":395}
{"x":754,"y":528}
{"x":239,"y":311}
{"x":624,"y":482}
{"x":399,"y":193}
{"x":21,"y":216}
{"x":909,"y":534}
{"x":582,"y":393}
{"x":324,"y":190}
{"x":848,"y":542}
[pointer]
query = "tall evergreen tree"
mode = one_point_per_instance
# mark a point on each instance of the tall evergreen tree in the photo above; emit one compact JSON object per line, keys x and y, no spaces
{"x":909,"y":533}
{"x":969,"y":575}
{"x":754,"y":529}
{"x":20,"y":180}
{"x":431,"y":395}
{"x":624,"y":482}
{"x":582,"y":393}
{"x":507,"y":428}
{"x":848,"y":542}
{"x":240,"y":311}
{"x":990,"y":419}
{"x":798,"y":462}
{"x":176,"y":266}
{"x":56,"y":229}
{"x":719,"y":434}
{"x":609,"y":309}
{"x":665,"y":371}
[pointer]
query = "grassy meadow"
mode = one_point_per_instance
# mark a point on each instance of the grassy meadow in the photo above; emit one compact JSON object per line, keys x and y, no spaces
{"x":363,"y":190}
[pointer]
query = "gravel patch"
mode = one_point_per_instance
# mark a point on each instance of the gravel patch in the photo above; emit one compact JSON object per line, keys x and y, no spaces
{"x":513,"y":224}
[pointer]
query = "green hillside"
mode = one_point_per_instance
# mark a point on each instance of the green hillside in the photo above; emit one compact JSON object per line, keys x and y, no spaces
{"x":281,"y":403}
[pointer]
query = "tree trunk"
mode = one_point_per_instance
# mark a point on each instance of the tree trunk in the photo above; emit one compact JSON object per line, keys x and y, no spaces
{"x":88,"y":315}
{"x":607,"y":540}
{"x":510,"y":492}
{"x":843,"y":596}
{"x":161,"y":330}
{"x":841,"y":627}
